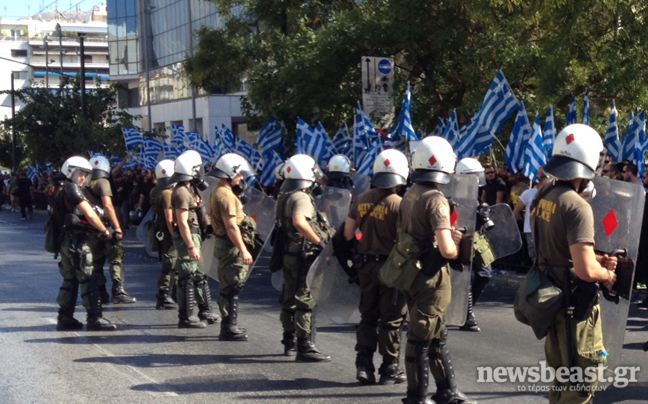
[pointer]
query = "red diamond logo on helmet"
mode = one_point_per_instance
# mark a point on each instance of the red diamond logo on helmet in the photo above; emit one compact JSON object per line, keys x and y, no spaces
{"x":570,"y":138}
{"x":387,"y":163}
{"x":610,"y":223}
{"x":163,"y":171}
{"x":432,"y":160}
{"x":288,"y":169}
{"x":96,"y":162}
{"x":453,"y":218}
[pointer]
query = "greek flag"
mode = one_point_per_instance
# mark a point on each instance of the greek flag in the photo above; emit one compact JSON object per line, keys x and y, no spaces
{"x":363,"y":135}
{"x":250,"y":153}
{"x":628,"y":152}
{"x":204,"y":149}
{"x":32,"y":174}
{"x":192,"y":138}
{"x":132,"y":138}
{"x":148,"y":162}
{"x":314,"y":142}
{"x":403,"y":132}
{"x":178,"y":134}
{"x":586,"y":107}
{"x":473,"y":140}
{"x":571,"y":114}
{"x":534,"y":155}
{"x":152,"y":148}
{"x":641,"y":127}
{"x":270,"y":136}
{"x":451,"y":132}
{"x":131,"y":164}
{"x":343,"y":141}
{"x":639,"y":159}
{"x":271,"y":161}
{"x":170,"y":151}
{"x":440,"y":128}
{"x":514,"y":155}
{"x":549,"y":133}
{"x":366,"y":167}
{"x":226,"y":137}
{"x":612,"y":142}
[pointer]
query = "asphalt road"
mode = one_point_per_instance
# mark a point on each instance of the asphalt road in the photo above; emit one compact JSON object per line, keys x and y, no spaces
{"x":150,"y":360}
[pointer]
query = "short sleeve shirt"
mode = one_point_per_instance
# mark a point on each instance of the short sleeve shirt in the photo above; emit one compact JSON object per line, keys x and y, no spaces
{"x":492,"y":188}
{"x":562,"y":219}
{"x":526,"y":198}
{"x":295,"y":203}
{"x":424,"y":210}
{"x":184,"y":198}
{"x":223,"y":202}
{"x":101,"y":187}
{"x":379,"y":230}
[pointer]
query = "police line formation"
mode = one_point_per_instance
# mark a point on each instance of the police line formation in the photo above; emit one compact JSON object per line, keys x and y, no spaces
{"x":405,"y":241}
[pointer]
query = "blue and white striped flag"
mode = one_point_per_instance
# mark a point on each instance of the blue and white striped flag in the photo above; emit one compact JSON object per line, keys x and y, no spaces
{"x":363,"y":135}
{"x":132,"y":138}
{"x":612,"y":142}
{"x":343,"y":142}
{"x":641,"y":127}
{"x":571,"y":114}
{"x":366,"y":167}
{"x":402,"y":132}
{"x":549,"y":133}
{"x":178,"y":134}
{"x":639,"y":159}
{"x":227,"y":138}
{"x":451,"y":132}
{"x":314,"y":142}
{"x":271,"y":161}
{"x":586,"y":109}
{"x":440,"y":128}
{"x":206,"y":152}
{"x":270,"y":136}
{"x":534,"y":155}
{"x":250,"y":153}
{"x":627,"y":151}
{"x":191,"y":139}
{"x":474,"y":140}
{"x":32,"y":174}
{"x":170,"y":151}
{"x":152,"y":148}
{"x":520,"y":136}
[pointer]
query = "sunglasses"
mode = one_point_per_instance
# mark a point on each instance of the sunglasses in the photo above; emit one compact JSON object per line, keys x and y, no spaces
{"x":490,"y":172}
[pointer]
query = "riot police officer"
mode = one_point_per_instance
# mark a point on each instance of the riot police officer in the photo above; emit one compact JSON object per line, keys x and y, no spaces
{"x":164,"y":230}
{"x":382,"y":309}
{"x":563,"y":226}
{"x":234,"y":258}
{"x":425,"y":215}
{"x":339,"y":172}
{"x":80,"y":221}
{"x":113,"y":249}
{"x":297,"y":217}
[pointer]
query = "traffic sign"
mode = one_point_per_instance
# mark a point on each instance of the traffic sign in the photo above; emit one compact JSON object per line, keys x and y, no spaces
{"x":377,"y":85}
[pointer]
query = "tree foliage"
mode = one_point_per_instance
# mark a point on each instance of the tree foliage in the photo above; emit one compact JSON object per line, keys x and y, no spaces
{"x":51,"y":126}
{"x":302,"y":58}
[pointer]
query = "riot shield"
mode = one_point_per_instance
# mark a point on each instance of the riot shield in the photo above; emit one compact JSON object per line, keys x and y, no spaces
{"x":142,"y":232}
{"x":208,"y":260}
{"x":336,"y":298}
{"x":261,"y":207}
{"x":504,"y":235}
{"x":618,"y":214}
{"x":462,"y":193}
{"x":335,"y":202}
{"x":361,"y":184}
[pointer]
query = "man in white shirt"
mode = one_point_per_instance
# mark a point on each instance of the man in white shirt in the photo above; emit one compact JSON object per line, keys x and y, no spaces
{"x":525,"y":203}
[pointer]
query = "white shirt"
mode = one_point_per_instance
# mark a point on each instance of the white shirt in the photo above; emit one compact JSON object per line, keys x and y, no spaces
{"x":526,"y":198}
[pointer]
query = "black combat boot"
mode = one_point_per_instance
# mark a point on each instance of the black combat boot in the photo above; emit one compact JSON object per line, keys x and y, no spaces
{"x":364,"y":367}
{"x":205,"y":310}
{"x":289,"y":342}
{"x":479,"y":283}
{"x":308,"y":352}
{"x":164,"y":301}
{"x":229,"y":330}
{"x":65,"y":320}
{"x":95,"y":320}
{"x":119,"y":295}
{"x":67,"y":323}
{"x":105,"y":297}
{"x":421,"y":359}
{"x":447,"y":392}
{"x":391,"y":373}
{"x":471,"y":322}
{"x":186,"y":305}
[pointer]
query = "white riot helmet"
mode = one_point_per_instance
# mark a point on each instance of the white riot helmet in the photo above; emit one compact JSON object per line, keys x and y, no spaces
{"x":279,"y":172}
{"x":433,"y":161}
{"x":390,"y":169}
{"x":469,"y":165}
{"x":187,"y":166}
{"x":338,"y":166}
{"x":75,"y":165}
{"x":163,"y":172}
{"x":576,"y":153}
{"x":300,"y":171}
{"x":100,"y":167}
{"x":230,"y":165}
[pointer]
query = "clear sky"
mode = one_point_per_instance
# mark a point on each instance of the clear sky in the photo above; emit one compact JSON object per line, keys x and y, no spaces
{"x":15,"y":9}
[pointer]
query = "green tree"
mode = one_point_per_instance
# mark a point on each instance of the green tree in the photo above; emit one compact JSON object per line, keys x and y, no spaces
{"x":52,"y":127}
{"x":302,"y":58}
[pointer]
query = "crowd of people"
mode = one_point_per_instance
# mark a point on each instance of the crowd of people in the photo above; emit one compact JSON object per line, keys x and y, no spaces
{"x":93,"y":204}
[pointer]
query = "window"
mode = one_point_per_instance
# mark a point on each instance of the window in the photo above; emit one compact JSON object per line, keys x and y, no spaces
{"x":19,"y":53}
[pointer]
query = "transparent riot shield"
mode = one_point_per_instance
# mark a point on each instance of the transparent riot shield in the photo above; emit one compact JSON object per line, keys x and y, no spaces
{"x":462,"y":194}
{"x":335,"y":202}
{"x":504,"y":236}
{"x":142,"y":232}
{"x":207,"y":258}
{"x":337,"y":299}
{"x":618,"y":213}
{"x":361,"y":184}
{"x":261,"y":207}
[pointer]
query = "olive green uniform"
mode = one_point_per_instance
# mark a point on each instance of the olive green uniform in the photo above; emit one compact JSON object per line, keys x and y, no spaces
{"x":232,"y":272}
{"x":382,"y":309}
{"x":160,"y":202}
{"x":560,"y":219}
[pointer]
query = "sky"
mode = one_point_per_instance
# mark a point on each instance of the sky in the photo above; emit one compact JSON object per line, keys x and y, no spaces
{"x":15,"y":9}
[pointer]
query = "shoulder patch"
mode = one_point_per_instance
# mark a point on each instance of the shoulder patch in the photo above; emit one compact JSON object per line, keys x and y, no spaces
{"x":443,"y":211}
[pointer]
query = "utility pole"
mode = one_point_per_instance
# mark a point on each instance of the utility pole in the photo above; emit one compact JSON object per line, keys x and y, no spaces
{"x":13,"y":126}
{"x":46,"y":63}
{"x":191,"y":53}
{"x":83,"y":85}
{"x":60,"y":35}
